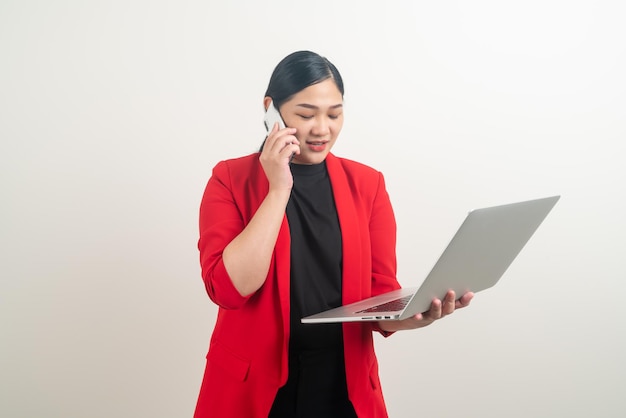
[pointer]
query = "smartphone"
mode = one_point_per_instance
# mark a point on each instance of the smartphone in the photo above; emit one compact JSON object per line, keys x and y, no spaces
{"x":271,"y":117}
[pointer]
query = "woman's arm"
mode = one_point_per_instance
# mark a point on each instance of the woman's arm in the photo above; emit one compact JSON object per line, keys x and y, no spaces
{"x":247,"y":257}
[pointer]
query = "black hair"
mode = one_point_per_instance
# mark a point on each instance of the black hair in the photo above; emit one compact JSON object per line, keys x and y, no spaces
{"x":298,"y":71}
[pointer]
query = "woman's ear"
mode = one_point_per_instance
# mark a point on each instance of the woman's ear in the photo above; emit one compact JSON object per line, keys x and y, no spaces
{"x":266,"y":102}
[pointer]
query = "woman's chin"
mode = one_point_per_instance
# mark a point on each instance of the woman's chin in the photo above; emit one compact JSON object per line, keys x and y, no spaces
{"x":309,"y":159}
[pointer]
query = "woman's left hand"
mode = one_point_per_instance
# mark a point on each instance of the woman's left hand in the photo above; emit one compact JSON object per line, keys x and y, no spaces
{"x":438,"y":309}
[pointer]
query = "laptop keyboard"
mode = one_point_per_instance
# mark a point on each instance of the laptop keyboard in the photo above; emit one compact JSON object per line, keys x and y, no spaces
{"x":391,"y":306}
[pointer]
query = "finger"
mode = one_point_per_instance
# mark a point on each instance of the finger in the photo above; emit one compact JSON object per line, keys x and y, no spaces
{"x":275,"y":128}
{"x":279,"y":140}
{"x":271,"y":133}
{"x":435,"y":310}
{"x":290,"y":151}
{"x":277,"y":132}
{"x":295,"y":149}
{"x":448,"y":303}
{"x":464,"y":300}
{"x":292,"y":145}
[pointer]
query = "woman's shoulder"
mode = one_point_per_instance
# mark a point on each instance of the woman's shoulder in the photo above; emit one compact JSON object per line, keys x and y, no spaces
{"x":238,"y":163}
{"x":238,"y":171}
{"x":354,"y":167}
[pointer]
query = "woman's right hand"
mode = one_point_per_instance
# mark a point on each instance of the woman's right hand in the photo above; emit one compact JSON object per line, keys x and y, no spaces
{"x":277,"y":152}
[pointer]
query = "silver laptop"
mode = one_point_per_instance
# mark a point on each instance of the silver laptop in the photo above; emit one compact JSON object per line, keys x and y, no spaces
{"x":480,"y":252}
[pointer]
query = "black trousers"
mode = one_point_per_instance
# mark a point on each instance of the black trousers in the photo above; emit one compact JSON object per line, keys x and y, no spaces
{"x":316,"y":387}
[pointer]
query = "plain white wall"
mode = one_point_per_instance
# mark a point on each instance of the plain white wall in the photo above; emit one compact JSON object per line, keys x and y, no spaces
{"x":112,"y":114}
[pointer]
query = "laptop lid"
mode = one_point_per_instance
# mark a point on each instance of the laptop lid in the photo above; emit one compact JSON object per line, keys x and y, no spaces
{"x":483,"y":248}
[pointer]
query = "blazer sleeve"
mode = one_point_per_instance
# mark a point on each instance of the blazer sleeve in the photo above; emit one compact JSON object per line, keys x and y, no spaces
{"x":221,"y":220}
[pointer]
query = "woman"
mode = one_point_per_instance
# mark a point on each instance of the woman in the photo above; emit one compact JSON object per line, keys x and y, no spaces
{"x":279,"y":241}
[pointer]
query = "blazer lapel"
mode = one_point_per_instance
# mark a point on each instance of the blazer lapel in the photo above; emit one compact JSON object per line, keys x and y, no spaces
{"x":350,"y":232}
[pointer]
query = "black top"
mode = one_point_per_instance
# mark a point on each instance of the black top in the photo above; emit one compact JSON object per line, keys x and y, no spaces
{"x":315,"y":256}
{"x":316,"y":385}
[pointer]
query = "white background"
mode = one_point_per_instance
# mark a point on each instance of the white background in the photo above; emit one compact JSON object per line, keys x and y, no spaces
{"x":113,"y":113}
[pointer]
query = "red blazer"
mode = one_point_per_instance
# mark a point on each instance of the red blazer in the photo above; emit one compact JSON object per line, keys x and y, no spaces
{"x":247,"y":358}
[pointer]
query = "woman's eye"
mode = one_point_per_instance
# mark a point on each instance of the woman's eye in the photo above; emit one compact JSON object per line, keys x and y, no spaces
{"x":333,"y":116}
{"x":306,"y":117}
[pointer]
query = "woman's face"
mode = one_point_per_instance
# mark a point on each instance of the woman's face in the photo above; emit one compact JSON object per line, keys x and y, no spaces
{"x":317,"y":114}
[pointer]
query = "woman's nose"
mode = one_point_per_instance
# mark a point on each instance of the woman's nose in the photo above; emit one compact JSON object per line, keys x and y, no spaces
{"x":321,"y":126}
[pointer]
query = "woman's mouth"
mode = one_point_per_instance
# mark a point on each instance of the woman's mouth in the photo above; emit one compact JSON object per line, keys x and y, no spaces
{"x":316,"y":146}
